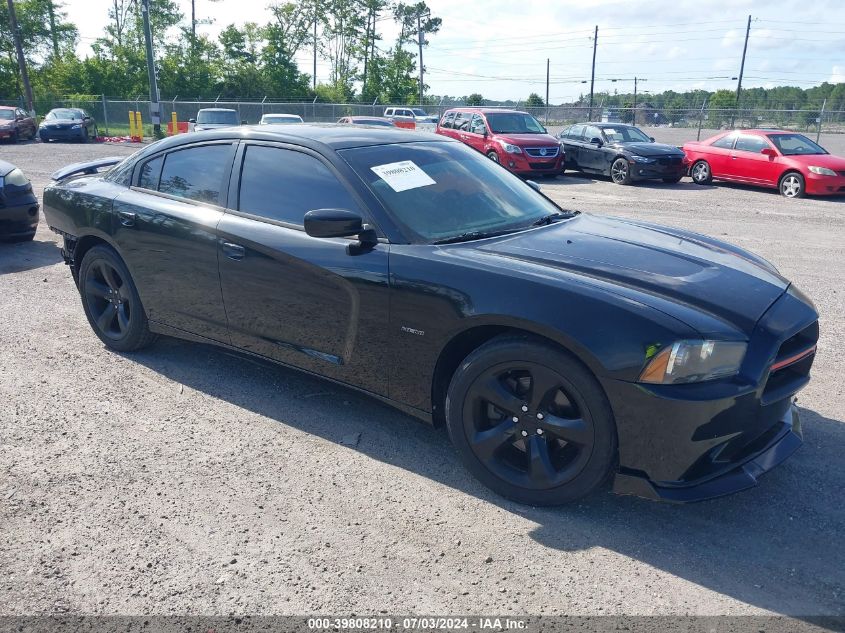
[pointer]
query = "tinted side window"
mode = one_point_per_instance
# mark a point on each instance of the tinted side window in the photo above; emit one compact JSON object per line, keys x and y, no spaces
{"x":448,"y":119}
{"x":150,"y":172}
{"x":750,"y":144}
{"x":462,"y":121}
{"x":726,"y":142}
{"x":197,"y":173}
{"x":477,"y":125}
{"x":591,"y":132}
{"x":283,"y":185}
{"x":576,"y":132}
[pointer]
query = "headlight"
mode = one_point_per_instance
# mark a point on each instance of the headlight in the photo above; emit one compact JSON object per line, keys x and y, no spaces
{"x":75,"y":127}
{"x":510,"y":149}
{"x":642,"y":159}
{"x":694,"y":361}
{"x":821,"y":171}
{"x":15,"y":178}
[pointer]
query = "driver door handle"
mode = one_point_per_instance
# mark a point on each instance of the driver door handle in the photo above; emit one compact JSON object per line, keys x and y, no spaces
{"x":126,"y":218}
{"x":233,"y":251}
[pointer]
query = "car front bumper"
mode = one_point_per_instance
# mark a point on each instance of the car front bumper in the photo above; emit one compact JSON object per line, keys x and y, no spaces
{"x":7,"y":132}
{"x":817,"y":185}
{"x":652,"y":171}
{"x":61,"y":134}
{"x":689,"y":442}
{"x":18,"y":213}
{"x":524,"y":165}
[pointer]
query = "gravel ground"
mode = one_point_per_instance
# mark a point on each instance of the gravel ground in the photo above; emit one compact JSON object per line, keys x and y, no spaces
{"x":186,"y":480}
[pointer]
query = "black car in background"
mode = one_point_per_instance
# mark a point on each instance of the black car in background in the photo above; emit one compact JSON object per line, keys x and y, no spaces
{"x":623,"y":152}
{"x":18,"y":204}
{"x":559,"y":349}
{"x":67,"y":124}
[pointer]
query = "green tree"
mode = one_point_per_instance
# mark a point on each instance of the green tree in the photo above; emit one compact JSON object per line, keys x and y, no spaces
{"x":475,"y":99}
{"x":534,"y":101}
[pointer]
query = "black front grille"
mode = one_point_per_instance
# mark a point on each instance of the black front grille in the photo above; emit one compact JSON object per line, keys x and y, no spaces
{"x":791,"y":368}
{"x":670,"y":160}
{"x":537,"y":152}
{"x":541,"y":165}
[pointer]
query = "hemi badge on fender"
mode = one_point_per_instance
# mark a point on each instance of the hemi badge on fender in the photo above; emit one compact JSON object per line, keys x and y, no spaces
{"x":413,"y":331}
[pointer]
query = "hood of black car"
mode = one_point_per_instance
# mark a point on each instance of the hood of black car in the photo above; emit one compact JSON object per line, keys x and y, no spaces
{"x":687,"y":268}
{"x":650,"y":149}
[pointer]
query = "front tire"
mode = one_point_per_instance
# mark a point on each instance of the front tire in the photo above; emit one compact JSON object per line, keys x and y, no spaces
{"x":531,"y":422}
{"x":492,"y":155}
{"x":620,"y":172}
{"x":700,"y":172}
{"x":792,"y":185}
{"x":111,"y":301}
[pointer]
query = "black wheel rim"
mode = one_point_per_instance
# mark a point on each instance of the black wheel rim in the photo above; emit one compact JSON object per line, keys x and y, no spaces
{"x":619,"y":171}
{"x":109,"y":300}
{"x":528,"y":426}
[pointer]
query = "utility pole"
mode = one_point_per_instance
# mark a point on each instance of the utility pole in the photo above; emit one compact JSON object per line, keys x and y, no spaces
{"x":155,"y":113}
{"x":314,"y":77}
{"x":421,"y":39}
{"x":547,"y":90}
{"x":635,"y":101}
{"x":13,"y":24}
{"x":593,"y":74}
{"x":741,"y":68}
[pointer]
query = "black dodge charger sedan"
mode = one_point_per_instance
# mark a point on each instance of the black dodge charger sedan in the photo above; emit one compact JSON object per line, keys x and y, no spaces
{"x":623,"y":152}
{"x":18,"y":204}
{"x":560,"y":349}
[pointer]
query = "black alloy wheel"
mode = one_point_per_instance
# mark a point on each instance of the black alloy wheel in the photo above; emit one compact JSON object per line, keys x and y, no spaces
{"x":111,"y":301}
{"x":531,"y":422}
{"x":620,"y":172}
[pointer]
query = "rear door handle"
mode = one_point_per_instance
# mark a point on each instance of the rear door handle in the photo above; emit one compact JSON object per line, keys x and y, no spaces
{"x":126,"y":218}
{"x":233,"y":251}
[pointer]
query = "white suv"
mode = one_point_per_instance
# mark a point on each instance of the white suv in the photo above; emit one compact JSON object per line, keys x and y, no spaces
{"x":417,"y":115}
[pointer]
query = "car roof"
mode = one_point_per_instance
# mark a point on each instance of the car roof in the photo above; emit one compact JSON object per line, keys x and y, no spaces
{"x":216,"y":110}
{"x":5,"y":167}
{"x":482,"y":110}
{"x":281,"y":114}
{"x":2,"y":107}
{"x":315,"y":136}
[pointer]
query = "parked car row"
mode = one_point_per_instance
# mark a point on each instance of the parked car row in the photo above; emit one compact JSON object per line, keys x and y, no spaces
{"x":780,"y":159}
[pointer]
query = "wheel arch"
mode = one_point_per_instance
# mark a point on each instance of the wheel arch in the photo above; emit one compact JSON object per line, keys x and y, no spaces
{"x":467,"y":340}
{"x":80,"y":247}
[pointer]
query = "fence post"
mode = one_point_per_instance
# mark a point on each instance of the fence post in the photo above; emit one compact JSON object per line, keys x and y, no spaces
{"x":821,"y":115}
{"x":105,"y":115}
{"x":701,"y":119}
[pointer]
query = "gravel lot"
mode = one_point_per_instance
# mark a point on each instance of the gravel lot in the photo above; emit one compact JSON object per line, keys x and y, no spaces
{"x":188,"y":480}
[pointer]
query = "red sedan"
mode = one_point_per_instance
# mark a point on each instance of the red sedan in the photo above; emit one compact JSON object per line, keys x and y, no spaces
{"x":788,"y":161}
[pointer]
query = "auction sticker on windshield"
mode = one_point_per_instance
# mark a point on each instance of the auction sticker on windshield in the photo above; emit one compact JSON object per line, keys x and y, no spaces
{"x":403,"y":175}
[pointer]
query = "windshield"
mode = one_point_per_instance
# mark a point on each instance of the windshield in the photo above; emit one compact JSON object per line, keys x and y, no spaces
{"x":625,"y":135}
{"x":443,"y":190}
{"x":217,"y":117}
{"x":419,"y":112}
{"x":795,"y":144}
{"x":281,"y":119}
{"x":67,"y":115}
{"x":7,"y":115}
{"x":514,"y":123}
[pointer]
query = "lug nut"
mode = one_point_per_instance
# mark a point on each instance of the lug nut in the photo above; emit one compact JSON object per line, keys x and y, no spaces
{"x":539,"y":416}
{"x":524,"y":408}
{"x":539,"y":431}
{"x":515,"y":419}
{"x":525,"y":434}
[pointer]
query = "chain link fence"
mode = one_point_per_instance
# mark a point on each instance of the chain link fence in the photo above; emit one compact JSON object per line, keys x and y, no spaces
{"x":112,"y":115}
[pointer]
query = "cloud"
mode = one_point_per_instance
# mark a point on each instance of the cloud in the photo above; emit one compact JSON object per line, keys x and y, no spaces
{"x":838,"y":75}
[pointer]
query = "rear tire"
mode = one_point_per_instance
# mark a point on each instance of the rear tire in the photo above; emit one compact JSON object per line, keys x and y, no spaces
{"x":700,"y":172}
{"x":111,"y":301}
{"x":791,"y":185}
{"x":620,"y":172}
{"x":562,"y":448}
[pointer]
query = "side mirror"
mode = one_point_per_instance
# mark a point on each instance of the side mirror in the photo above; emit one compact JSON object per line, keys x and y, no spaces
{"x":596,"y":141}
{"x":243,"y":121}
{"x":192,"y":120}
{"x":86,"y":118}
{"x":651,"y":138}
{"x":533,"y":184}
{"x":768,"y":151}
{"x":333,"y":223}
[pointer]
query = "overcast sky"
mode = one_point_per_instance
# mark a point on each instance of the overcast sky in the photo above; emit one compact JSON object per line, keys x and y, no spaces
{"x":499,"y":47}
